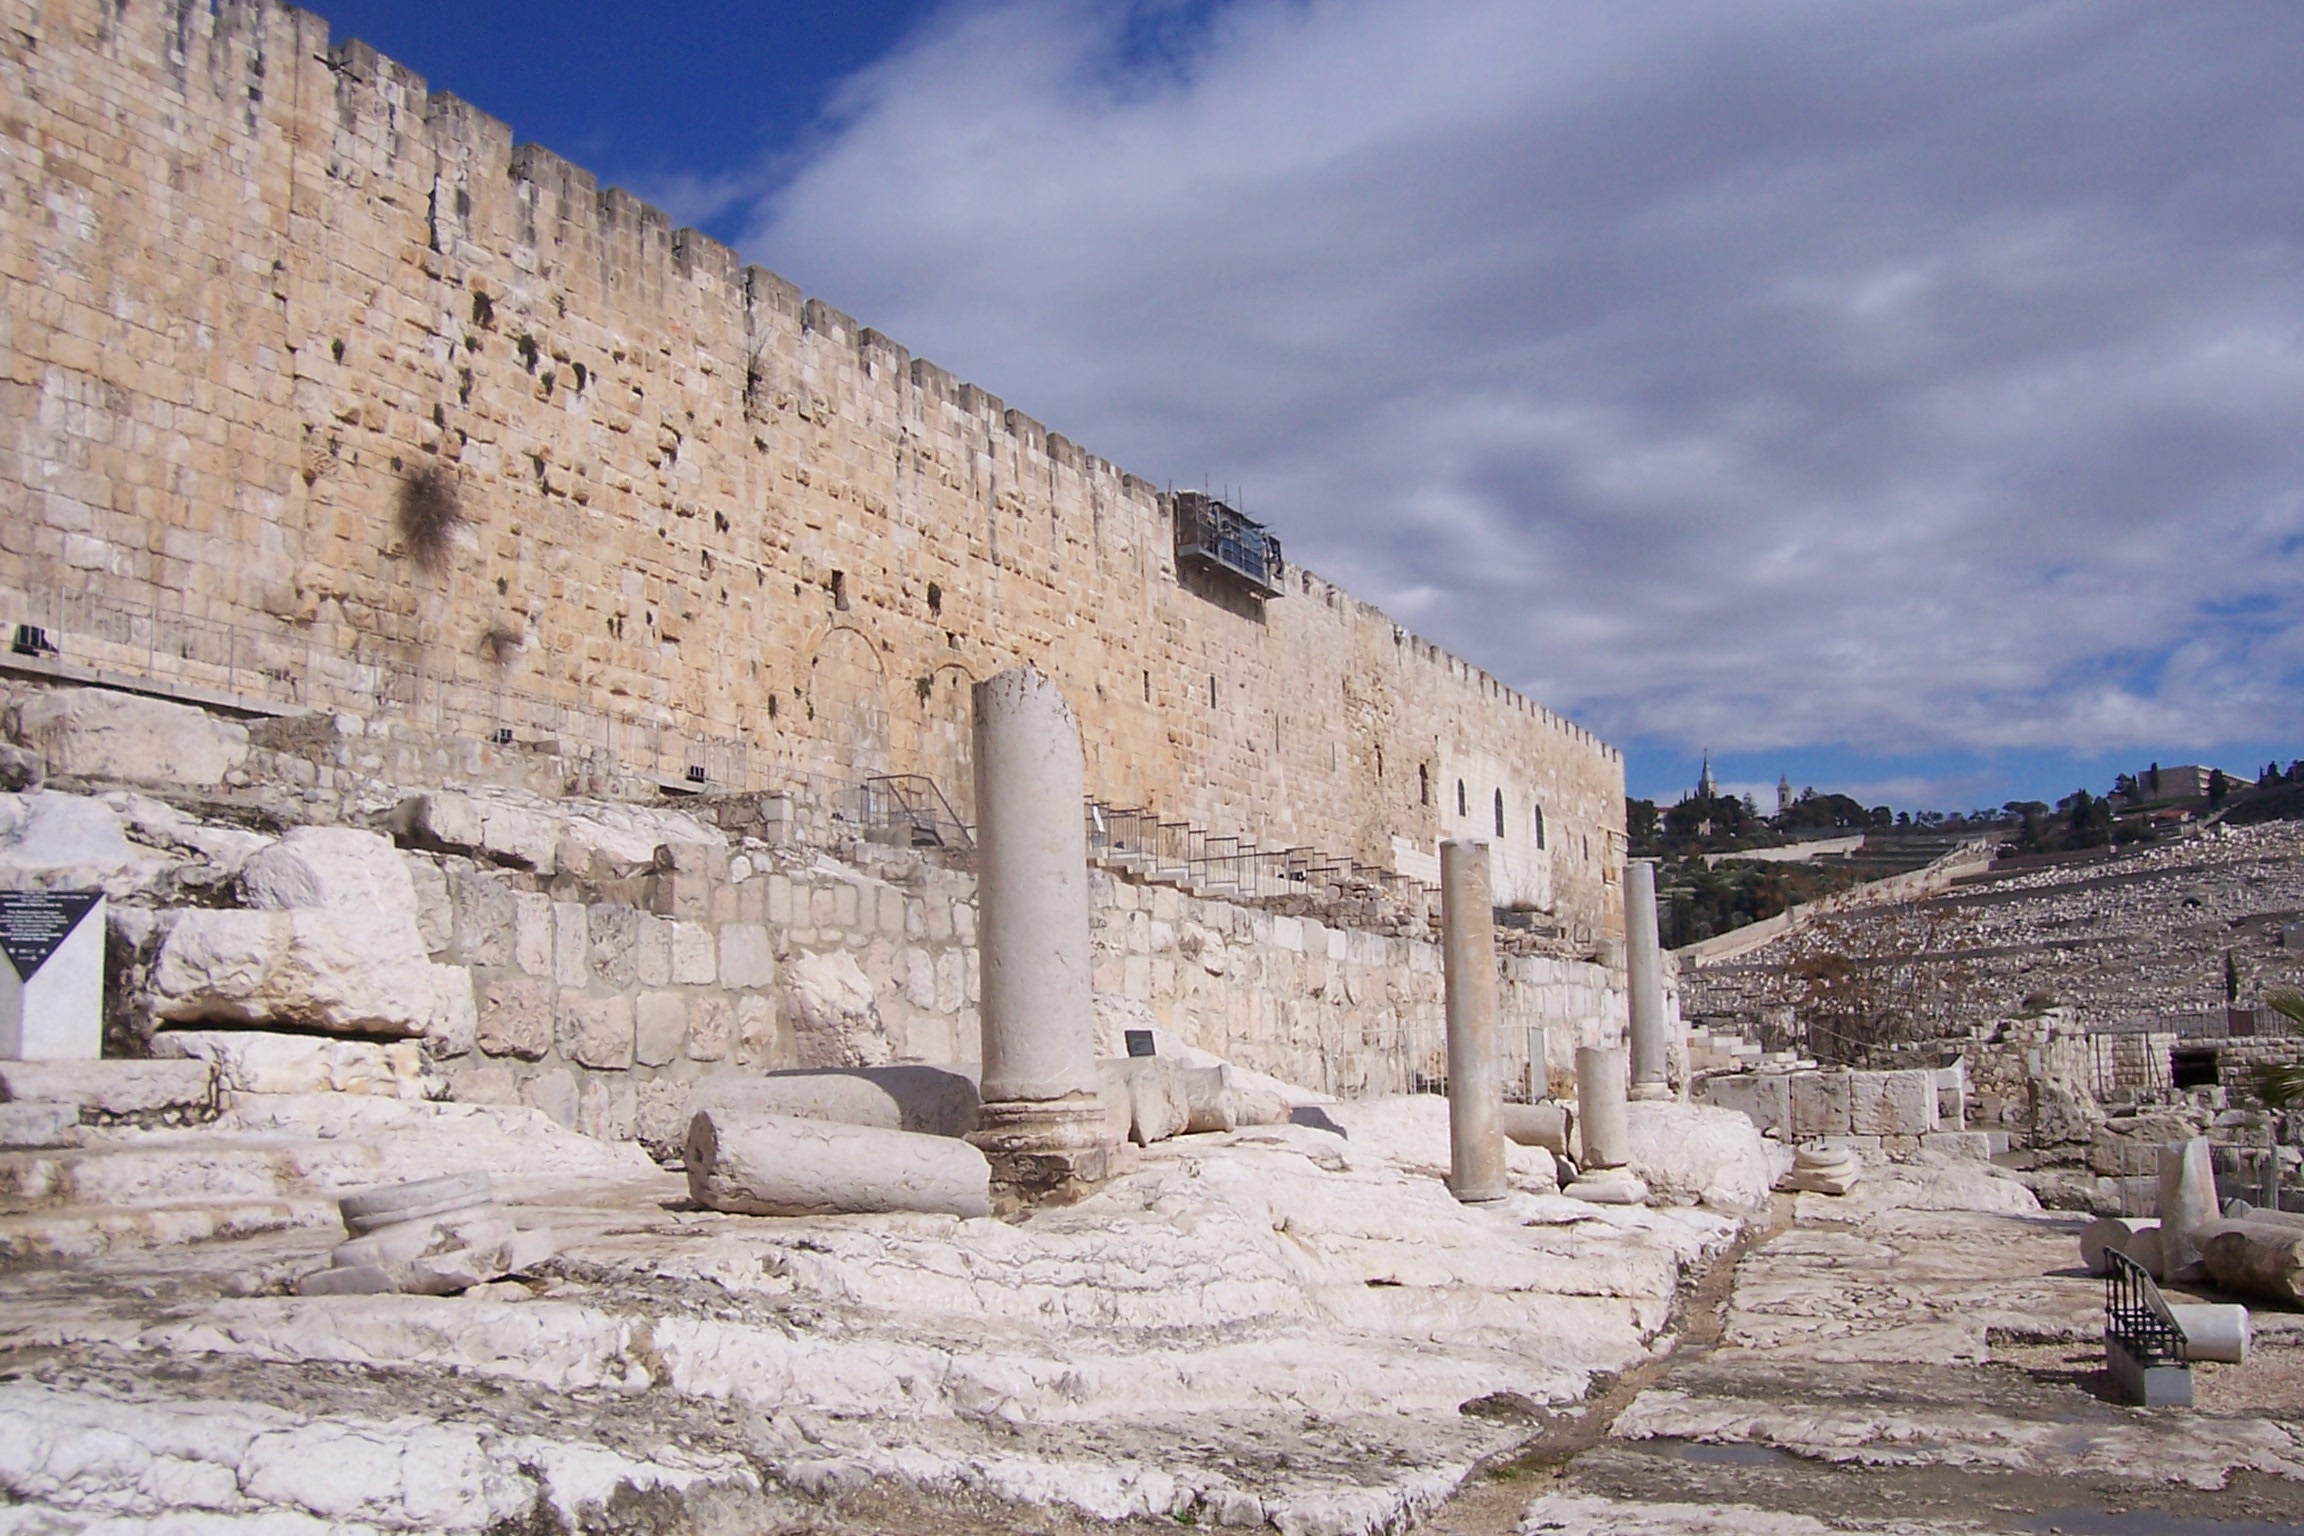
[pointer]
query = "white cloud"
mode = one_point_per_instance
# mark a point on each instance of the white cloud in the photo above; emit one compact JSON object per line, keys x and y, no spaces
{"x":1912,"y":376}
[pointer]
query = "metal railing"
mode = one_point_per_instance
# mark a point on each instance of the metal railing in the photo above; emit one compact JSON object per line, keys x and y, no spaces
{"x":2137,"y":1315}
{"x":911,"y":805}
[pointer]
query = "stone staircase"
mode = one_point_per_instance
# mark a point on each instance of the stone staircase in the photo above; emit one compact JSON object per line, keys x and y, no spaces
{"x":98,"y":1155}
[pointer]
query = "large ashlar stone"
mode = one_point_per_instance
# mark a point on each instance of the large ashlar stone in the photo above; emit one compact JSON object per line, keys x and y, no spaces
{"x":776,"y":1165}
{"x":1892,"y":1103}
{"x":332,"y":944}
{"x":95,"y":733}
{"x":1690,"y":1154}
{"x":1820,"y":1104}
{"x":926,"y":1101}
{"x":1764,"y":1098}
{"x":257,"y":1061}
{"x":834,"y":1011}
{"x":51,"y":841}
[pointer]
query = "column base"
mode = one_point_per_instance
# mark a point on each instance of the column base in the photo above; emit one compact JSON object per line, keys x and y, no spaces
{"x":1649,"y":1093}
{"x":1047,"y":1152}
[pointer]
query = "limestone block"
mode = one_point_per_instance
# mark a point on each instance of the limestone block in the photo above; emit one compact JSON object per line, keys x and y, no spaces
{"x":1208,"y":1103}
{"x":596,"y":1031}
{"x":660,"y":1028}
{"x":38,"y":1125}
{"x":747,"y":958}
{"x":927,"y":1101}
{"x":483,"y":827}
{"x":255,"y":1061}
{"x":532,"y":933}
{"x":756,"y":1029}
{"x":571,"y":944}
{"x":52,"y":841}
{"x":629,"y":947}
{"x":95,"y":733}
{"x":341,"y":869}
{"x":1692,"y":1153}
{"x":553,"y":1092}
{"x":1157,"y":1108}
{"x":1820,"y":1105}
{"x":485,"y":915}
{"x":1974,"y":1144}
{"x":695,"y":961}
{"x":711,"y":1027}
{"x":516,"y":1017}
{"x":111,"y":1086}
{"x":1908,"y":1101}
{"x":1764,"y":1098}
{"x":774,"y":1165}
{"x":607,"y":1109}
{"x":835,"y":1013}
{"x":2255,"y":1258}
{"x":660,"y":1116}
{"x":435,"y":908}
{"x":337,"y":971}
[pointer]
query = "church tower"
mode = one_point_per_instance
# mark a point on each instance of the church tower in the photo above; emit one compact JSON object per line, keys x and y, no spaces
{"x":1705,"y":788}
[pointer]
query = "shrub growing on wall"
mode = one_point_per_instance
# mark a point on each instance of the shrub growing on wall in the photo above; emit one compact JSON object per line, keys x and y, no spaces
{"x":430,"y":514}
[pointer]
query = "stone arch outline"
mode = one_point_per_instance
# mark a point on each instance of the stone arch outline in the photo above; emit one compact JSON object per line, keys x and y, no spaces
{"x":848,"y":701}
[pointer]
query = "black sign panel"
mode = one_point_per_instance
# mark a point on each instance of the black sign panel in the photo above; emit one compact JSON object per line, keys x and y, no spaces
{"x":1139,"y":1042}
{"x":33,"y":923}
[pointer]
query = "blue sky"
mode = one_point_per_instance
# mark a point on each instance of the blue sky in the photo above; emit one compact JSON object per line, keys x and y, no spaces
{"x":1906,"y":397}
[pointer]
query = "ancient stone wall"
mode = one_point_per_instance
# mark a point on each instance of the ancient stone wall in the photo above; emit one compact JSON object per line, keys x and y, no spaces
{"x":602,"y":1002}
{"x":319,"y":388}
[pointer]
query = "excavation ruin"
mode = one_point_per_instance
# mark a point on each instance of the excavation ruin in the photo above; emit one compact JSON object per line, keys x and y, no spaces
{"x":627,"y":909}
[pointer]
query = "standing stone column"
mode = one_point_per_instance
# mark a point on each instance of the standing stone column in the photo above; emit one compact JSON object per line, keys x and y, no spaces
{"x":2187,"y":1202}
{"x":1644,"y":978}
{"x":1475,"y":1074}
{"x":1042,"y":1125}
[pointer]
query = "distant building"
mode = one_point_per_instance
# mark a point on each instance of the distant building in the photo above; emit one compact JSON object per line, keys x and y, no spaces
{"x":2186,"y":781}
{"x":1705,"y":787}
{"x":1783,"y":793}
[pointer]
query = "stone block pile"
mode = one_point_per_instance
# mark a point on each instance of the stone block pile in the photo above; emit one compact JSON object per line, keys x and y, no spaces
{"x":1890,"y":1111}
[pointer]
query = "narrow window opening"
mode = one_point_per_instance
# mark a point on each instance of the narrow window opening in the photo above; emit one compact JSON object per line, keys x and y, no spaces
{"x":840,"y":590}
{"x":1423,"y":784}
{"x":1499,"y":813}
{"x":1211,"y":693}
{"x":935,"y":598}
{"x":1379,"y":762}
{"x":1147,"y":687}
{"x":1463,"y":806}
{"x":1538,"y":827}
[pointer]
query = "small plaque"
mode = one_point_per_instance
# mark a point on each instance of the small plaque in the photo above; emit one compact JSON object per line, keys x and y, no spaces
{"x":1139,"y":1042}
{"x":52,"y":988}
{"x":33,"y":924}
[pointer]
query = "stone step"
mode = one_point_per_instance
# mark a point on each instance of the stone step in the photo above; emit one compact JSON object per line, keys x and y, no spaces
{"x":159,"y":1171}
{"x":85,"y":1232}
{"x":115,"y":1088}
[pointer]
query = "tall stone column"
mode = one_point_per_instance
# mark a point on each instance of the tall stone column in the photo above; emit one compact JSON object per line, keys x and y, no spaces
{"x":1644,"y":979}
{"x":1475,"y":1074}
{"x":1042,"y":1124}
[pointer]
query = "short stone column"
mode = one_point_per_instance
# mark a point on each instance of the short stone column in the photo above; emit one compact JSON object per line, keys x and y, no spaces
{"x":1042,"y":1125}
{"x":1605,"y":1126}
{"x":1644,"y":979}
{"x":1600,"y":1115}
{"x":1475,"y":1074}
